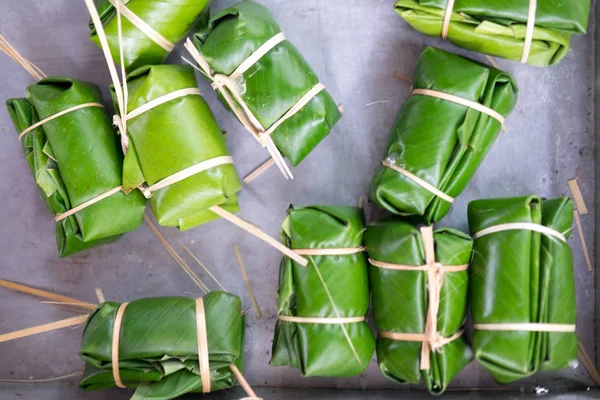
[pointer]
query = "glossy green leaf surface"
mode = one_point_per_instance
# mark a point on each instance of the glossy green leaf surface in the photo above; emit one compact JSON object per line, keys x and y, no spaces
{"x":172,"y":19}
{"x":158,"y":346}
{"x":400,"y":301}
{"x":172,"y":137}
{"x":522,"y":276}
{"x":439,"y":141}
{"x":273,"y":85}
{"x":329,"y":287}
{"x":75,"y":158}
{"x":498,"y":27}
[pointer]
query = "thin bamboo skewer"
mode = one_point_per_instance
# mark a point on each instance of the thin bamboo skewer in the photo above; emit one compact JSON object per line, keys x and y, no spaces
{"x":248,"y":227}
{"x":63,"y":323}
{"x":191,"y":254}
{"x":41,"y":293}
{"x":259,"y":170}
{"x":186,"y":268}
{"x":247,"y":281}
{"x":588,"y":363}
{"x":586,"y":254}
{"x":242,"y":381}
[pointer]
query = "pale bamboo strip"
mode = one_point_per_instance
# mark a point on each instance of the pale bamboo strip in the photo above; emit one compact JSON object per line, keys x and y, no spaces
{"x":43,"y":328}
{"x":247,"y":281}
{"x":586,"y":254}
{"x":259,"y":170}
{"x":578,"y":197}
{"x":40,"y":293}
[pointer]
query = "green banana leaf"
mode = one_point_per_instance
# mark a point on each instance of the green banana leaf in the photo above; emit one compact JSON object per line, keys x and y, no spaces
{"x":75,"y":158}
{"x":172,"y":19}
{"x":331,"y":287}
{"x":275,"y":83}
{"x":497,"y":27}
{"x":172,"y":137}
{"x":521,"y":276}
{"x":441,"y":142}
{"x":158,"y":348}
{"x":400,"y":302}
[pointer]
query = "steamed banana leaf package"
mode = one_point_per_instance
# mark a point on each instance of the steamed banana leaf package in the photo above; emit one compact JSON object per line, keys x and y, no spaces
{"x":536,"y":33}
{"x":150,"y":29}
{"x":72,"y":151}
{"x":321,"y":328}
{"x":176,"y":148}
{"x":522,"y":286}
{"x":419,"y":284}
{"x":441,"y":134}
{"x":265,"y":81}
{"x":165,"y":347}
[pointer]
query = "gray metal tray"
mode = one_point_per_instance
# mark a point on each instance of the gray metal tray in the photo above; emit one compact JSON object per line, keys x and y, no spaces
{"x":354,"y":46}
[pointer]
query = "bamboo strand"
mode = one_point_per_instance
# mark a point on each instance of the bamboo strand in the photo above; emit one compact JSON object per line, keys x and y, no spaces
{"x":43,"y":328}
{"x":238,"y":256}
{"x":242,"y":381}
{"x":58,"y":378}
{"x":40,"y":293}
{"x":259,"y":234}
{"x":259,"y":170}
{"x":100,"y":296}
{"x":186,"y":268}
{"x":191,"y":254}
{"x":588,"y":363}
{"x":402,"y":77}
{"x":87,"y":306}
{"x":578,"y":197}
{"x":30,"y":67}
{"x":492,"y":61}
{"x":586,"y":254}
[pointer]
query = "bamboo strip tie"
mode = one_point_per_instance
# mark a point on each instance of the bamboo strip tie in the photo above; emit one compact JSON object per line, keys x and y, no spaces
{"x":30,"y":67}
{"x":432,"y":340}
{"x":578,"y":197}
{"x":586,"y":253}
{"x":529,"y":30}
{"x":233,"y":97}
{"x":140,"y":24}
{"x":521,"y":226}
{"x":259,"y":170}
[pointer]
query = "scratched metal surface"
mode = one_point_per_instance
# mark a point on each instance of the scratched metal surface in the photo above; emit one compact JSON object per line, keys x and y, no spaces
{"x":354,"y":46}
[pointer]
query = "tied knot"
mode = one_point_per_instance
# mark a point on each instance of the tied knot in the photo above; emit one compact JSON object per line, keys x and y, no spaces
{"x":145,"y":191}
{"x":118,"y":122}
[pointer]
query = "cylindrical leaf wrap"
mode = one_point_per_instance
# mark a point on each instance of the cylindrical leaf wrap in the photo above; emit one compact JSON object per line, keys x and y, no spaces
{"x":272,"y":86}
{"x":158,"y":347}
{"x":172,"y":137}
{"x":400,"y":301}
{"x":172,"y":19}
{"x":522,"y":276}
{"x":498,"y":27}
{"x":439,"y":141}
{"x":330,"y":286}
{"x":75,"y":158}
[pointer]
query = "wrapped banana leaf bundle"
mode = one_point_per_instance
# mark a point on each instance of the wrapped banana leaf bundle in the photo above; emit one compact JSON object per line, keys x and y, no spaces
{"x":419,"y":284}
{"x":441,"y":134}
{"x":522,"y":286}
{"x":533,"y":32}
{"x":164,"y":347}
{"x":265,"y":81}
{"x":149,"y":29}
{"x":321,"y":328}
{"x":72,"y":151}
{"x":176,"y":148}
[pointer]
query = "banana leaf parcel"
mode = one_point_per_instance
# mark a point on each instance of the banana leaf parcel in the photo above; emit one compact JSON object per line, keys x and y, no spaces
{"x":419,"y":282}
{"x":441,"y":134}
{"x":536,"y":34}
{"x":164,"y":347}
{"x":522,"y":286}
{"x":321,"y":328}
{"x":150,"y":29}
{"x":72,"y":152}
{"x":265,"y":81}
{"x":176,"y":148}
